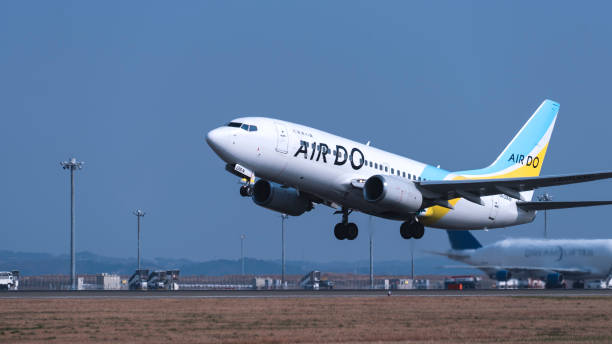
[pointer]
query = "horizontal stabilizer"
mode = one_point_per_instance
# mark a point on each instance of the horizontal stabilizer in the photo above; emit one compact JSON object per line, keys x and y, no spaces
{"x":558,"y":205}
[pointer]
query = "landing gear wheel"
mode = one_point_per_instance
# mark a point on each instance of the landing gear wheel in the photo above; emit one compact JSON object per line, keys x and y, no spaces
{"x":339,"y":231}
{"x":246,"y":191}
{"x":351,"y":231}
{"x":405,"y":231}
{"x":418,"y":230}
{"x":345,"y":229}
{"x":412,"y":229}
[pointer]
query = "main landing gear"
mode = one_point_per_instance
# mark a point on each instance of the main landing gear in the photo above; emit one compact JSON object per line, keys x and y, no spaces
{"x":412,"y":229}
{"x":345,"y":229}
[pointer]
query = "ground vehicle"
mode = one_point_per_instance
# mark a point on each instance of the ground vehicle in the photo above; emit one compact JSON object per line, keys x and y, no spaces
{"x":9,"y":280}
{"x":162,"y":279}
{"x":138,"y":280}
{"x":326,"y":284}
{"x":311,"y":280}
{"x":462,"y":282}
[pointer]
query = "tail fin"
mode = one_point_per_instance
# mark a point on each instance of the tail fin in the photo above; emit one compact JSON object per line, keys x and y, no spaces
{"x":524,"y":155}
{"x":462,"y":240}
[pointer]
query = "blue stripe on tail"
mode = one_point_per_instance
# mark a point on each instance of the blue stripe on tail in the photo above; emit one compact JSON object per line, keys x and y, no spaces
{"x":462,"y":240}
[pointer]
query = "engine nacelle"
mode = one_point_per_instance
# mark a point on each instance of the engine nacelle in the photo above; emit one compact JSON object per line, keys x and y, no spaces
{"x":502,"y":275}
{"x":394,"y":193}
{"x":554,"y":280}
{"x":283,"y":200}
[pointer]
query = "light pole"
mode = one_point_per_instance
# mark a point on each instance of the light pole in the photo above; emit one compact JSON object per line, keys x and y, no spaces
{"x":139,"y":213}
{"x":412,"y":261}
{"x":545,"y":198}
{"x":371,"y":262}
{"x":242,"y":253}
{"x":371,"y":252}
{"x":72,"y":165}
{"x":283,"y":218}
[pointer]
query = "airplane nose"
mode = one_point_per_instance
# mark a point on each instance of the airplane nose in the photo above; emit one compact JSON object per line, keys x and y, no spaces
{"x":214,"y":138}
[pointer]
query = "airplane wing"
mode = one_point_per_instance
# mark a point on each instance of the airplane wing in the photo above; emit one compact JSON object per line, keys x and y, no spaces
{"x":519,"y":269}
{"x":473,"y":189}
{"x":558,"y":205}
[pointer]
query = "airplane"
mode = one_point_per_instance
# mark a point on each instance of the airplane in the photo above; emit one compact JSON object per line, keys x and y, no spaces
{"x":550,"y":260}
{"x":298,"y":166}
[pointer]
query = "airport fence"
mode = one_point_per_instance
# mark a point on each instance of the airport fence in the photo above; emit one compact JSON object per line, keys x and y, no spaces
{"x":236,"y":282}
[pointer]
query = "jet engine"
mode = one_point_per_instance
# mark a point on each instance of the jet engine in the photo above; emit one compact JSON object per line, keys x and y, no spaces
{"x":502,"y":275}
{"x":554,"y":280}
{"x":281,"y":199}
{"x":396,"y":194}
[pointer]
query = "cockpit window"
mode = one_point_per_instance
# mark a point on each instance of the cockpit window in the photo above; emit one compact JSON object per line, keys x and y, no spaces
{"x":242,"y":126}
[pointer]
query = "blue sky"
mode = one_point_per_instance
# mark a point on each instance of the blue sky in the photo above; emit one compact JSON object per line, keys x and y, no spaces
{"x":132,"y":87}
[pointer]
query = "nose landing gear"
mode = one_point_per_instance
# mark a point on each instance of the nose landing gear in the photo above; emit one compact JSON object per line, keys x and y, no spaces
{"x":412,"y":229}
{"x":246,"y":190}
{"x":345,"y":229}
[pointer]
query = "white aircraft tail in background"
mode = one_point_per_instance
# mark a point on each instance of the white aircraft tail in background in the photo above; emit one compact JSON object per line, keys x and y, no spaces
{"x":551,"y":260}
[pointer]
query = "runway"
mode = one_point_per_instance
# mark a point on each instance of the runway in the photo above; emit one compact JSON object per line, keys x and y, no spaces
{"x":250,"y":294}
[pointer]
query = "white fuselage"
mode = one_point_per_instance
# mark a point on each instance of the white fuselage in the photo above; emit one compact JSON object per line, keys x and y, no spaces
{"x":591,"y":258}
{"x":295,"y":155}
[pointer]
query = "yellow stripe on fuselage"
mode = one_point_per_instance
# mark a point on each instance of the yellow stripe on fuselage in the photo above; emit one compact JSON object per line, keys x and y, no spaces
{"x":436,"y":213}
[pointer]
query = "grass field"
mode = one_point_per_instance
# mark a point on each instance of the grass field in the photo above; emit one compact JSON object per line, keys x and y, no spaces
{"x":277,"y":320}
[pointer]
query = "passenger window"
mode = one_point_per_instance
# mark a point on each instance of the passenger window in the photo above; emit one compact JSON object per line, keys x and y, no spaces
{"x":386,"y":169}
{"x":398,"y":173}
{"x":392,"y":170}
{"x":234,"y":124}
{"x":370,"y":164}
{"x":404,"y":174}
{"x":419,"y":178}
{"x":252,"y":128}
{"x":375,"y":165}
{"x":365,"y":162}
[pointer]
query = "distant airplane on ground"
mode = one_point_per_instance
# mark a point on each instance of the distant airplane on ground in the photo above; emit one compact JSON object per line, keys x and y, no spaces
{"x":313,"y":166}
{"x":550,"y":260}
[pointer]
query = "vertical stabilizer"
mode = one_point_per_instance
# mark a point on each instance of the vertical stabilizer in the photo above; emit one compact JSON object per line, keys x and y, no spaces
{"x":462,"y":240}
{"x":524,"y":155}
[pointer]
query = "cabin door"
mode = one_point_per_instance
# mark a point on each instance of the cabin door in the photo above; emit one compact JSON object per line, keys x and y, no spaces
{"x":282,"y":142}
